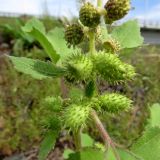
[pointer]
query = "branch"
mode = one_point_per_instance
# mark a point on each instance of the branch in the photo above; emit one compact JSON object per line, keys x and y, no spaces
{"x":106,"y":138}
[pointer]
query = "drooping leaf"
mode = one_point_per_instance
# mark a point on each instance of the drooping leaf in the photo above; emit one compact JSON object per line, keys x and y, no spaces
{"x":148,"y":146}
{"x":36,"y":68}
{"x":87,"y":154}
{"x":36,"y":29}
{"x":86,"y":140}
{"x":56,"y":37}
{"x":128,"y":34}
{"x":47,"y":144}
{"x":154,"y":119}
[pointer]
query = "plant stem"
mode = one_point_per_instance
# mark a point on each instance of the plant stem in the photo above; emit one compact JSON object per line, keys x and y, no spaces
{"x":77,"y":139}
{"x":99,"y":3}
{"x":91,"y":42}
{"x":106,"y":138}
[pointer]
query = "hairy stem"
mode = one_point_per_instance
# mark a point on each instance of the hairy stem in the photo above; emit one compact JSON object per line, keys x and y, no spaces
{"x":91,"y":42}
{"x":106,"y":138}
{"x":77,"y":139}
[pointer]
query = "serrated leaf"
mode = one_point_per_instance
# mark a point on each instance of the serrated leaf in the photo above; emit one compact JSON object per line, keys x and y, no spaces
{"x":154,"y":119}
{"x":47,"y":145}
{"x":87,"y":154}
{"x":36,"y":68}
{"x":36,"y":29}
{"x":128,"y":34}
{"x":86,"y":140}
{"x":56,"y":37}
{"x":148,"y":146}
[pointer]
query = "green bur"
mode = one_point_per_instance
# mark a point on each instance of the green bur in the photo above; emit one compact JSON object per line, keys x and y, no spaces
{"x":74,"y":35}
{"x":112,"y":102}
{"x":116,"y":9}
{"x":89,"y":16}
{"x":75,"y":116}
{"x":112,"y":69}
{"x":79,"y":67}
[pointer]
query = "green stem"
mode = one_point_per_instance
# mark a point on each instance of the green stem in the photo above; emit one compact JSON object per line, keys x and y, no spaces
{"x":99,"y":3}
{"x":91,"y":42}
{"x":77,"y":139}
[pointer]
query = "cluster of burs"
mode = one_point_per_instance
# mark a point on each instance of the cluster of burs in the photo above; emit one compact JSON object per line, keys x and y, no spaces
{"x":85,"y":69}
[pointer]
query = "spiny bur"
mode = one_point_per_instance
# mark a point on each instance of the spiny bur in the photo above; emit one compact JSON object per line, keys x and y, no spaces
{"x":112,"y":45}
{"x":89,"y":16}
{"x":75,"y":116}
{"x":79,"y":68}
{"x":116,"y":9}
{"x":111,"y":68}
{"x":114,"y":102}
{"x":74,"y":35}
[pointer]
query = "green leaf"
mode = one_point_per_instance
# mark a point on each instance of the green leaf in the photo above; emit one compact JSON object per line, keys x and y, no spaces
{"x":155,"y":115}
{"x":47,"y":145}
{"x":128,"y":35}
{"x":124,"y":155}
{"x":148,"y":146}
{"x":56,"y":37}
{"x":67,"y":152}
{"x":36,"y":29}
{"x":87,"y":154}
{"x":90,"y":89}
{"x":36,"y":68}
{"x":86,"y":140}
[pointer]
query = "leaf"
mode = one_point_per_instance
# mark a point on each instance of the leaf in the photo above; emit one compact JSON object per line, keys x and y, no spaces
{"x":123,"y":155}
{"x":148,"y":146}
{"x":155,"y":115}
{"x":47,"y":145}
{"x":86,"y":140}
{"x":67,"y":152}
{"x":90,"y":89}
{"x":56,"y":37}
{"x":36,"y":29}
{"x":87,"y":154}
{"x":128,"y":35}
{"x":36,"y":68}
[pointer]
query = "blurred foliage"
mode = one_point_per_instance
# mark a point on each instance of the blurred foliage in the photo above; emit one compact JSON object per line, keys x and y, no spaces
{"x":21,"y":109}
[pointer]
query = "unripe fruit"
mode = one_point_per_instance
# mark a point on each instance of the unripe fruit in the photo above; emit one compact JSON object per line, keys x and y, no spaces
{"x":114,"y":102}
{"x":111,"y":68}
{"x":79,"y":67}
{"x":89,"y":16}
{"x":112,"y":46}
{"x":74,"y":35}
{"x":117,"y":9}
{"x":75,"y":116}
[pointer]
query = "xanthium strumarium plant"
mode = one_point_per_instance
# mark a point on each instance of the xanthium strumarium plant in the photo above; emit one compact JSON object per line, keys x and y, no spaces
{"x":83,"y":70}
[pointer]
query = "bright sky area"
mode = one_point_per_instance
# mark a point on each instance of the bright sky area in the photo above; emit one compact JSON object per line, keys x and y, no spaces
{"x":144,"y":9}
